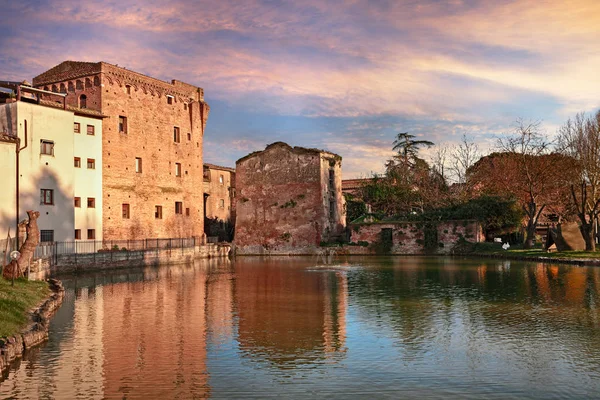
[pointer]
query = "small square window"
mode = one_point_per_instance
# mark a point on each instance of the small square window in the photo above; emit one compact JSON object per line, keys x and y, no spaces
{"x":77,"y":162}
{"x":47,"y":197}
{"x":91,"y":202}
{"x":221,"y":180}
{"x":138,"y":165}
{"x":158,"y":212}
{"x":125,"y":211}
{"x":187,"y":211}
{"x":91,"y":163}
{"x":46,"y":235}
{"x":169,"y":99}
{"x":122,"y":124}
{"x":77,"y":127}
{"x":128,"y":89}
{"x":189,"y":136}
{"x":177,"y":169}
{"x":91,"y":130}
{"x":176,"y":135}
{"x":178,"y":207}
{"x":185,"y":106}
{"x":77,"y":234}
{"x":91,"y":234}
{"x":77,"y":202}
{"x":47,"y":147}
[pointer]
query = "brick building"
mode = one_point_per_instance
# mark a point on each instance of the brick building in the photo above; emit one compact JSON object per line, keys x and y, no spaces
{"x":288,"y":200}
{"x":151,"y":146}
{"x":219,"y":192}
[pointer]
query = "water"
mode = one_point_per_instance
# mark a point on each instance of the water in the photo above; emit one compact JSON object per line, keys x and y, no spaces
{"x":404,"y":327}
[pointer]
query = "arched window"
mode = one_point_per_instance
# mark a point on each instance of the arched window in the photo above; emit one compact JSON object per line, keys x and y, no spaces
{"x":71,"y":87}
{"x":83,"y":101}
{"x":88,"y":83}
{"x":63,"y":88}
{"x":96,"y":81}
{"x":79,"y":85}
{"x":46,"y":88}
{"x":54,"y":88}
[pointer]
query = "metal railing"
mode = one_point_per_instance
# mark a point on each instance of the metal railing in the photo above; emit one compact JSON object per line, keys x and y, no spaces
{"x":50,"y":249}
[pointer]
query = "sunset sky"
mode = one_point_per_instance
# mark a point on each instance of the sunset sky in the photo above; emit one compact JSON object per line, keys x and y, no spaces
{"x":345,"y":76}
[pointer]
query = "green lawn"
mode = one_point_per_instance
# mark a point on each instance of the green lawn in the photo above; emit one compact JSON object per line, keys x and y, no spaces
{"x":496,"y":248}
{"x":16,"y":301}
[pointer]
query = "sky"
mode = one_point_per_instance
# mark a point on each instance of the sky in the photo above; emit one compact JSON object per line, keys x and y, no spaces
{"x":345,"y":76}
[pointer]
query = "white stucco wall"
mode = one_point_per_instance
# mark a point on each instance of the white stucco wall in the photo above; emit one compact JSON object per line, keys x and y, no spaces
{"x":88,"y":182}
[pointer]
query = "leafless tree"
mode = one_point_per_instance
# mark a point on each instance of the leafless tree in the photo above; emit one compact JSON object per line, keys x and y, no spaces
{"x":580,"y":138}
{"x":528,"y":145}
{"x":462,"y":157}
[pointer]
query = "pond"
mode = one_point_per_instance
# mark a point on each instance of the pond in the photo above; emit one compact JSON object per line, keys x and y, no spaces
{"x":378,"y":327}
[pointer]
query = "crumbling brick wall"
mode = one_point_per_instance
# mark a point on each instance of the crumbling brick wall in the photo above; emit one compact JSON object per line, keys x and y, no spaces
{"x":283,"y":199}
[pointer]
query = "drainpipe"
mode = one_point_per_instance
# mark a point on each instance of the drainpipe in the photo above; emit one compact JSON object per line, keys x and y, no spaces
{"x":18,"y":151}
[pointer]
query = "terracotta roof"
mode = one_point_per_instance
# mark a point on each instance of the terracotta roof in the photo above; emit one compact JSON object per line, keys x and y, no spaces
{"x":213,"y":166}
{"x":79,"y":111}
{"x":354,"y":183}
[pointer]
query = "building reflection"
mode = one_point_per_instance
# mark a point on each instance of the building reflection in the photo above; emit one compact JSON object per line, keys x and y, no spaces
{"x":290,"y":315}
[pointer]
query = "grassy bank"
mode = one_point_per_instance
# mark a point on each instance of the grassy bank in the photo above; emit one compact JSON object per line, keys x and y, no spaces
{"x":518,"y":252}
{"x":16,"y":301}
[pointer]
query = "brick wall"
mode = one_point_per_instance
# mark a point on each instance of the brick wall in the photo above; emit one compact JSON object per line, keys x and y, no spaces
{"x":283,"y":200}
{"x":219,"y":202}
{"x":153,"y":109}
{"x":410,"y":237}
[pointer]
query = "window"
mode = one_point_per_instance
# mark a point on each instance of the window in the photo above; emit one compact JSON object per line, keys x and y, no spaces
{"x":125,"y":211}
{"x":169,"y":99}
{"x":185,"y":106}
{"x":187,"y":212}
{"x":158,"y":212}
{"x":47,"y":196}
{"x":128,"y":89}
{"x":77,"y":162}
{"x":90,"y":130}
{"x":178,"y":207}
{"x":47,"y":147}
{"x":189,"y":136}
{"x":77,"y":234}
{"x":77,"y":202}
{"x":91,"y":202}
{"x":83,"y":101}
{"x":221,"y":203}
{"x":221,"y":180}
{"x":122,"y":124}
{"x":91,"y":234}
{"x":331,"y":179}
{"x":331,"y":209}
{"x":177,"y":169}
{"x":77,"y":127}
{"x":46,"y":235}
{"x":138,"y":165}
{"x":206,"y":173}
{"x":91,"y":163}
{"x":176,"y":135}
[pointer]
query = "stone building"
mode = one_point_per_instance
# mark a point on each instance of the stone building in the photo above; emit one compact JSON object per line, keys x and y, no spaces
{"x":219,"y":192}
{"x":288,"y":200}
{"x":60,"y":164}
{"x":151,"y":147}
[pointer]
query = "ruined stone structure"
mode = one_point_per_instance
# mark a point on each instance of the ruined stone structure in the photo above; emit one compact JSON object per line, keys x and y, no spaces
{"x":219,"y":192}
{"x":397,"y":237}
{"x":288,"y":200}
{"x":151,"y":147}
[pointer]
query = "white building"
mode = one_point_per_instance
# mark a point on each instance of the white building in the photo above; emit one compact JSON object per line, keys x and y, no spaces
{"x":60,"y":166}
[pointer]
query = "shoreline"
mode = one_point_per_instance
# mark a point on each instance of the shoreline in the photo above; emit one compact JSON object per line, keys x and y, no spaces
{"x":594,"y":262}
{"x":36,"y":332}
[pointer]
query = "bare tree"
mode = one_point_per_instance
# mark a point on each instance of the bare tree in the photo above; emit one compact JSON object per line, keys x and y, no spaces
{"x":463,"y":156}
{"x":439,"y":160}
{"x":580,"y":138}
{"x":528,"y":146}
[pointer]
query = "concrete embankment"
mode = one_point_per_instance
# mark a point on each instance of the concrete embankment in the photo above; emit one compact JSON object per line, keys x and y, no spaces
{"x":36,"y":332}
{"x":543,"y":259}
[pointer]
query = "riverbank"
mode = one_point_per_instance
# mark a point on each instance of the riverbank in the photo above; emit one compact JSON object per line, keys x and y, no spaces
{"x":22,"y":324}
{"x":495,"y":250}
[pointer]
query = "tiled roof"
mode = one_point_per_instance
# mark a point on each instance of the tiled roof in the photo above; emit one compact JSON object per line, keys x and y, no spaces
{"x":76,"y":110}
{"x":213,"y":166}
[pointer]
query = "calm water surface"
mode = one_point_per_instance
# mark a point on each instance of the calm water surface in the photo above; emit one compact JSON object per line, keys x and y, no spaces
{"x":399,"y":327}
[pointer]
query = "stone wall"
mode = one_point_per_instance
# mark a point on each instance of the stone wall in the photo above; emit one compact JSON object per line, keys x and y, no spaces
{"x":412,"y":237}
{"x":153,"y":111}
{"x":12,"y":348}
{"x":219,"y":188}
{"x":70,"y":263}
{"x":283,"y":200}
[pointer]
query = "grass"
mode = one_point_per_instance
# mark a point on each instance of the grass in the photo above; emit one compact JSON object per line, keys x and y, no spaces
{"x":537,"y":251}
{"x":16,"y":301}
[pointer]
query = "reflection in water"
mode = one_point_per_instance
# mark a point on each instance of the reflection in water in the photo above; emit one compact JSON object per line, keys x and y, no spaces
{"x":412,"y":327}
